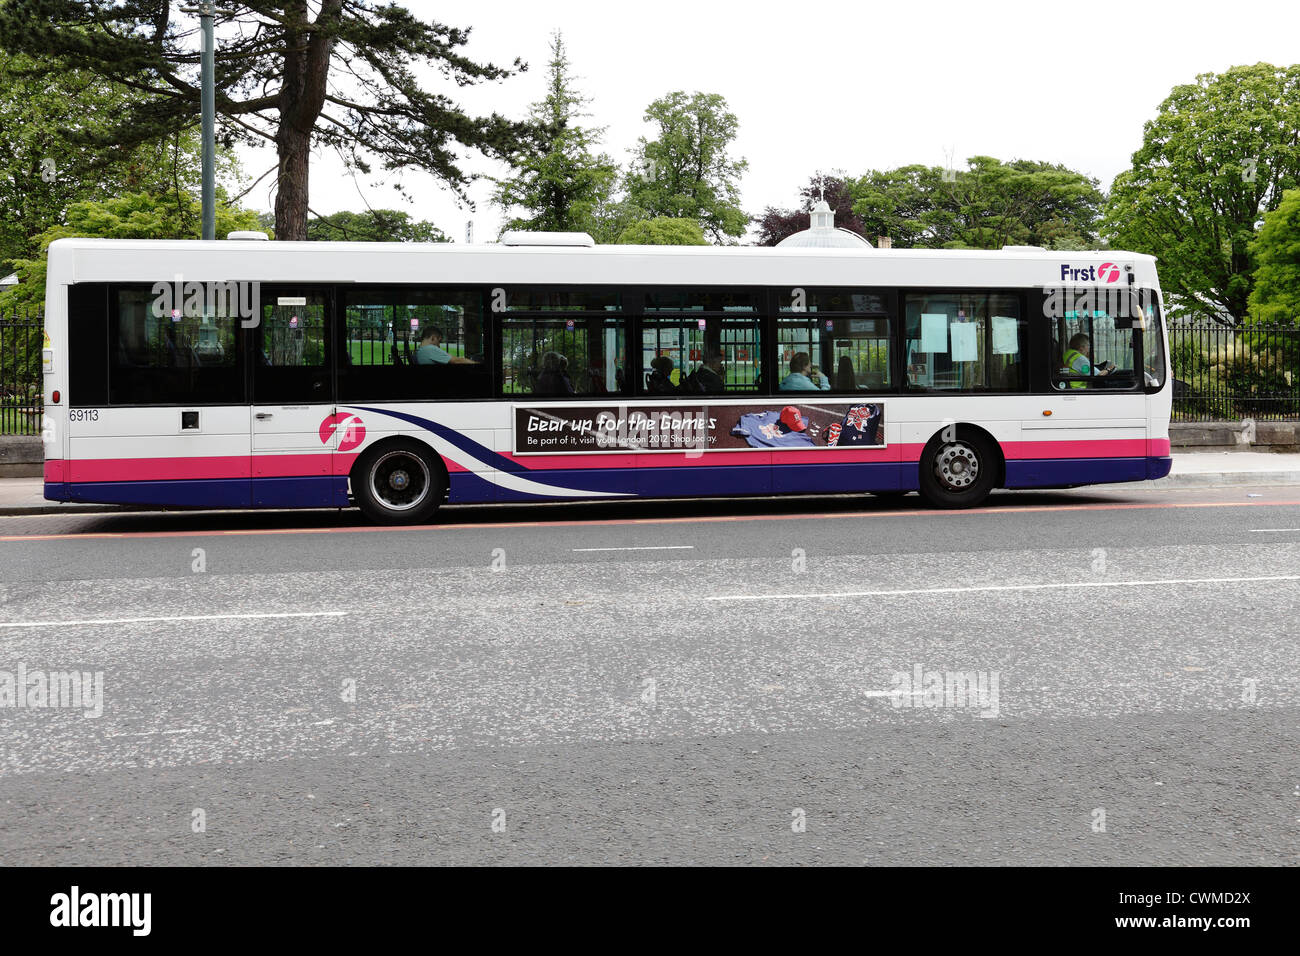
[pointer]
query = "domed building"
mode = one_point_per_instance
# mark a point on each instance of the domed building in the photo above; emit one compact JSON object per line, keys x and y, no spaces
{"x":823,"y":233}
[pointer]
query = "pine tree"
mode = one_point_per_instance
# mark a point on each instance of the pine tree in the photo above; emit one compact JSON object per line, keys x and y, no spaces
{"x":562,"y":185}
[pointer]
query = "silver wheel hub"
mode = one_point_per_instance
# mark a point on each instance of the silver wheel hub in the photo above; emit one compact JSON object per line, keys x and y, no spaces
{"x":399,"y":481}
{"x":956,"y":466}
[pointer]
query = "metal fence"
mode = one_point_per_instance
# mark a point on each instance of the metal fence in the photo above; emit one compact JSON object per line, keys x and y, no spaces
{"x":1226,"y":374}
{"x":21,"y":397}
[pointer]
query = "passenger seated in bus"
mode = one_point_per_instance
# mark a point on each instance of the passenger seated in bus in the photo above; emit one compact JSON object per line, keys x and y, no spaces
{"x":660,"y":379}
{"x":708,"y":379}
{"x":431,"y":351}
{"x":804,"y":376}
{"x":554,"y":378}
{"x":1078,"y":361}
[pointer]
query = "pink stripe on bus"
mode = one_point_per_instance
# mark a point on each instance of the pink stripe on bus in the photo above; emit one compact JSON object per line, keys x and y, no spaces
{"x":290,"y":466}
{"x":1098,"y":448}
{"x":56,"y":471}
{"x":159,"y":469}
{"x":206,"y":468}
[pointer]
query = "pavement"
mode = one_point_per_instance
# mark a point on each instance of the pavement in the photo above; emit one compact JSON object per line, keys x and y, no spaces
{"x":720,"y":682}
{"x":1194,"y":470}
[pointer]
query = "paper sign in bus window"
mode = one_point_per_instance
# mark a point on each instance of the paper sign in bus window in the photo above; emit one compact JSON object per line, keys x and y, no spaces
{"x":1006,"y":335}
{"x":934,"y":332}
{"x":965,"y":342}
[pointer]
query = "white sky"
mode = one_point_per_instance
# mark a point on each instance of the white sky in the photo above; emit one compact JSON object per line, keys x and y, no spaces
{"x":849,"y":86}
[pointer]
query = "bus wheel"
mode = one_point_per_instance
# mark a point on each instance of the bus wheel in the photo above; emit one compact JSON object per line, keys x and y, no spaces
{"x":958,"y":473}
{"x":398,"y":483}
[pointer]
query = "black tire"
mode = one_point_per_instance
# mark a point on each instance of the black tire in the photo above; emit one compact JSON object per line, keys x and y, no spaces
{"x":959,"y":473}
{"x":398,"y":482}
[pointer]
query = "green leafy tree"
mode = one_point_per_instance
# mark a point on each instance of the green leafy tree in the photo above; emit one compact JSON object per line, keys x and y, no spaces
{"x":1218,"y":155}
{"x":130,"y":216}
{"x":687,"y":171}
{"x":373,"y":225}
{"x":49,"y":162}
{"x":987,"y":205}
{"x":1276,"y":296}
{"x":663,"y":231}
{"x":562,"y":185}
{"x":338,"y":74}
{"x":612,"y":217}
{"x":905,"y":204}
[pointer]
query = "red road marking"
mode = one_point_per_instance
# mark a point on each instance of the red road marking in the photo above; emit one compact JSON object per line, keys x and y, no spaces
{"x":612,"y":522}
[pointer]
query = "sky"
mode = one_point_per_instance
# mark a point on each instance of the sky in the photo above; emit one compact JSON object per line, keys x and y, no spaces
{"x":838,"y":86}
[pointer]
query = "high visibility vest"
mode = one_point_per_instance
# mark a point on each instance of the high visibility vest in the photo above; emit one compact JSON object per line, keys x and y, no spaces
{"x":1070,"y":356}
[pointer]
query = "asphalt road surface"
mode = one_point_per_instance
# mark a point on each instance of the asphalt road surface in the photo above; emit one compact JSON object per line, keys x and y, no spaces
{"x":1087,"y":677}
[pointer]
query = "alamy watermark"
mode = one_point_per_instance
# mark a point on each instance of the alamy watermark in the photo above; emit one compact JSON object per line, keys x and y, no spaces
{"x":75,"y":908}
{"x":233,"y":298}
{"x":24,"y":689}
{"x":974,"y":690}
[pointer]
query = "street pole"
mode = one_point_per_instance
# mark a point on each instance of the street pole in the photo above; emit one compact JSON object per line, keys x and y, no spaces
{"x":208,"y":103}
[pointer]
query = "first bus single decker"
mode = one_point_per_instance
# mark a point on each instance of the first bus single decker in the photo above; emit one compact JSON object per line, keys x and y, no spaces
{"x":250,"y":374}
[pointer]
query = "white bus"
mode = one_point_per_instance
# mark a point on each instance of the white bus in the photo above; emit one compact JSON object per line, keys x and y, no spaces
{"x":252,"y":374}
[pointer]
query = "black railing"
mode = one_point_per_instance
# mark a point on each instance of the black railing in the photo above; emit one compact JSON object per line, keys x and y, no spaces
{"x":1226,"y":374}
{"x":21,"y":398}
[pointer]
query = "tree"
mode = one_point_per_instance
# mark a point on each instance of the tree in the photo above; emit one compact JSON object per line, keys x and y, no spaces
{"x":47,"y":164}
{"x":561,"y":185}
{"x":611,"y":217}
{"x":985,"y":206}
{"x":129,"y":216}
{"x":1276,"y":295}
{"x":1218,"y":155}
{"x":343,"y":79}
{"x":777,"y":224}
{"x":687,"y":172}
{"x":663,"y":231}
{"x":373,"y":225}
{"x":905,"y":204}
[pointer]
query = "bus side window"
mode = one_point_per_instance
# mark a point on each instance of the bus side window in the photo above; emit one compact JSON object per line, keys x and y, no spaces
{"x":1093,"y":347}
{"x":563,"y":342}
{"x":183,"y":356}
{"x":412,"y":343}
{"x":965,"y":341}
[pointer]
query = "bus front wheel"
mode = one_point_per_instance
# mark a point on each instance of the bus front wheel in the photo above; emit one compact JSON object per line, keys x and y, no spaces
{"x":958,"y":473}
{"x":398,"y":482}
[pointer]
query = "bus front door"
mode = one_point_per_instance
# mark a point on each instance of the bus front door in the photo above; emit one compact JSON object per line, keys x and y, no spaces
{"x":293,"y":404}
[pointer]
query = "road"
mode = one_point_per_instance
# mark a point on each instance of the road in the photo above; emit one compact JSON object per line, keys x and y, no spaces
{"x":727,"y":681}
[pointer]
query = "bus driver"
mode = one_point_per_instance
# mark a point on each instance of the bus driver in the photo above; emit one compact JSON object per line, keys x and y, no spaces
{"x":1078,"y":360}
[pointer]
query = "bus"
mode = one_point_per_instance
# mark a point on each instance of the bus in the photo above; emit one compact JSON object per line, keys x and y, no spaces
{"x":242,"y":373}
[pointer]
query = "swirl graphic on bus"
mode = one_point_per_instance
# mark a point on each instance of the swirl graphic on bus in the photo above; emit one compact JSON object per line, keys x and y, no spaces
{"x":1108,"y":272}
{"x":353,"y":430}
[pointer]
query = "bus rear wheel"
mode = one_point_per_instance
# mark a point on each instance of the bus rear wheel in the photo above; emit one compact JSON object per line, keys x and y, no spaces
{"x":958,"y":473}
{"x":398,"y":483}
